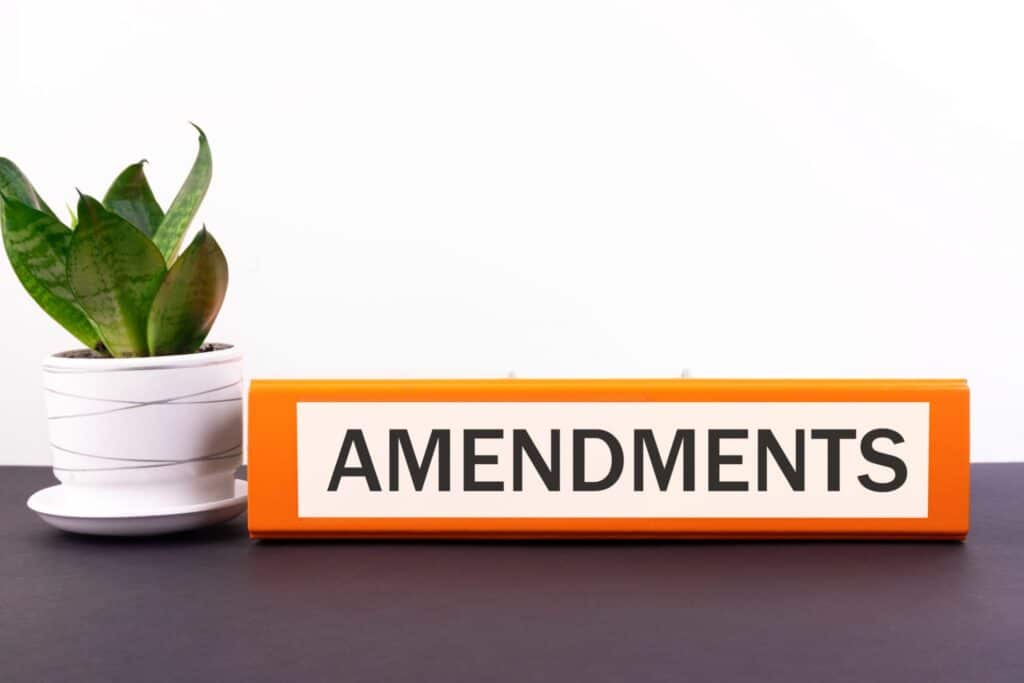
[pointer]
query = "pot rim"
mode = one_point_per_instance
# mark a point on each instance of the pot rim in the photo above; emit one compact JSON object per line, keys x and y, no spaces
{"x":225,"y":353}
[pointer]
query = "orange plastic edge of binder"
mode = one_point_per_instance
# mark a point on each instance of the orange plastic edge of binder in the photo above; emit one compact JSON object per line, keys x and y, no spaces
{"x":273,"y":489}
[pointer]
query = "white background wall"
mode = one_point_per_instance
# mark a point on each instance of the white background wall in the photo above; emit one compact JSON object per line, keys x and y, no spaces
{"x":556,"y":188}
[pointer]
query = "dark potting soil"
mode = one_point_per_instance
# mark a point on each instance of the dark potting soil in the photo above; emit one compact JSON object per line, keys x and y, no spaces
{"x":90,"y":353}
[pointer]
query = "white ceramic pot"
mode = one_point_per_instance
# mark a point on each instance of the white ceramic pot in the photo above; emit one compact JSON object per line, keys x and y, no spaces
{"x":142,"y":433}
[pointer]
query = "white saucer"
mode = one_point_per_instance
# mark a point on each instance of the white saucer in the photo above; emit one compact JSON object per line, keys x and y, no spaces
{"x":53,"y":506}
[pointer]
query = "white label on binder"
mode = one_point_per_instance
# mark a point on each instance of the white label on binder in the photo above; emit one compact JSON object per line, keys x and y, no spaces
{"x":606,"y":460}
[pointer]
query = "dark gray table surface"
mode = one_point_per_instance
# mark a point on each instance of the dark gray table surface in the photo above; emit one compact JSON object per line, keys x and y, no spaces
{"x":214,"y":606}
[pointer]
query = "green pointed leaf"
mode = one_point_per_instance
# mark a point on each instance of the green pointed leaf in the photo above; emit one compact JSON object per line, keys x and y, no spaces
{"x":114,"y":271}
{"x":14,"y":184}
{"x":183,"y":209}
{"x":37,"y":246}
{"x":189,"y":298}
{"x":131,"y":198}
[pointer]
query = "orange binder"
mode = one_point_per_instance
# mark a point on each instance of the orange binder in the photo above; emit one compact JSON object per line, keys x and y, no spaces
{"x":680,"y":458}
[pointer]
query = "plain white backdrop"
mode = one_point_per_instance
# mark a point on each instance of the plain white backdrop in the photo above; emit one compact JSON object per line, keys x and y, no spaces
{"x":423,"y":189}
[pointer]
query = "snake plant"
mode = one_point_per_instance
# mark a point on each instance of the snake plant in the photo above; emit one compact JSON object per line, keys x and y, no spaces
{"x":113,"y":278}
